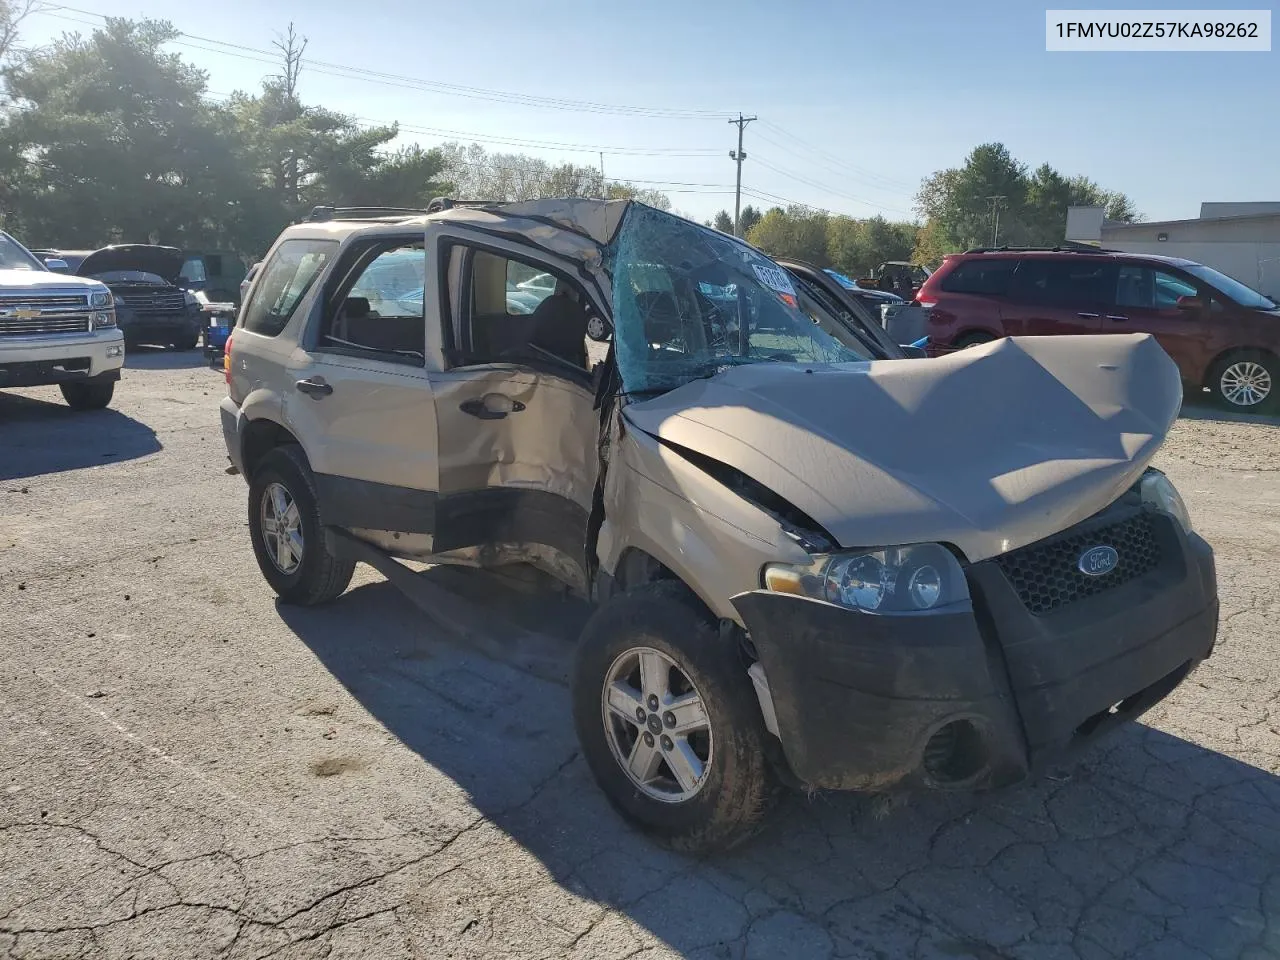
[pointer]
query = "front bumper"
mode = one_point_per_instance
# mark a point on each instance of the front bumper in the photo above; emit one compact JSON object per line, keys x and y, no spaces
{"x":61,"y":358}
{"x":140,"y":326}
{"x":985,"y":696}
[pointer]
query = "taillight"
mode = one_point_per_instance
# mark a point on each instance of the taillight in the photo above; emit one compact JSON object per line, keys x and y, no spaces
{"x":226,"y":361}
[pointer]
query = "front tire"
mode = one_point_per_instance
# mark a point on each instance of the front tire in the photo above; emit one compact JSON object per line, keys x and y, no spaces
{"x":187,"y":341}
{"x":289,"y":541}
{"x":88,"y":396}
{"x":669,"y":723}
{"x":1245,"y":381}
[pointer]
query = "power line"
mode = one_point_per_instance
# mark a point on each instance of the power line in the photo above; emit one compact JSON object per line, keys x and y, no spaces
{"x":347,"y":71}
{"x":841,"y":164}
{"x":801,"y":178}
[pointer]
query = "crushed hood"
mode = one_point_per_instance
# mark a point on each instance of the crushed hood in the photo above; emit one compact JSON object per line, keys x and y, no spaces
{"x":165,"y":262}
{"x":988,"y":449}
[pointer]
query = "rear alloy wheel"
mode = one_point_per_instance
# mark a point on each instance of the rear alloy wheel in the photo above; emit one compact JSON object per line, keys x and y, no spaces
{"x":668,"y":720}
{"x":294,"y":554}
{"x":88,"y":396}
{"x":973,"y":340}
{"x":1245,"y":381}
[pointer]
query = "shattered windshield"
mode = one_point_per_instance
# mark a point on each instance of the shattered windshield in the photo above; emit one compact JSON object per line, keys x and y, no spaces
{"x":689,"y":301}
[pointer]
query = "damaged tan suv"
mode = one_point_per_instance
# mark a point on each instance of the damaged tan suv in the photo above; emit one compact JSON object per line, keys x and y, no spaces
{"x":814,"y":564}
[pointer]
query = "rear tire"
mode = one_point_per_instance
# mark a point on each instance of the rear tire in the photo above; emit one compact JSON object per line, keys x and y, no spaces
{"x":1245,"y":381}
{"x":88,"y":396}
{"x":283,"y":507}
{"x":733,"y":785}
{"x":972,"y":340}
{"x":187,"y":341}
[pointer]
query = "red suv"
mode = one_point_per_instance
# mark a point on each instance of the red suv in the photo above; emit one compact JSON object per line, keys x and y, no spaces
{"x":1222,"y":334}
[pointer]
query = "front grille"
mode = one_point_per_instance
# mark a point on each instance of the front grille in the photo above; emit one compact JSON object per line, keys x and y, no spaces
{"x":35,"y":314}
{"x":154,"y":303}
{"x":1045,"y":574}
{"x":12,"y":327}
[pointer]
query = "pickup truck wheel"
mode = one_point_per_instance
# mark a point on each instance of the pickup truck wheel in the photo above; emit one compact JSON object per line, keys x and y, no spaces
{"x":289,"y":541}
{"x":669,"y":723}
{"x":88,"y":396}
{"x":187,"y":341}
{"x":1245,"y":381}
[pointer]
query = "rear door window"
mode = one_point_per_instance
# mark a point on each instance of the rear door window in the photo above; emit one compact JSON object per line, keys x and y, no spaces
{"x":1063,"y":282}
{"x":285,"y":280}
{"x":985,"y":277}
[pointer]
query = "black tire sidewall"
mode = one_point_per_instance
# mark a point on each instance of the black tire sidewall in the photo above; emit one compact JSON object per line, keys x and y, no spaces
{"x":1265,"y":360}
{"x":280,"y":466}
{"x":88,"y":396}
{"x":739,"y":772}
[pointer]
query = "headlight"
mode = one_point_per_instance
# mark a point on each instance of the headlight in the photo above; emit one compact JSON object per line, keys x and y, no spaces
{"x":118,"y":301}
{"x":1159,"y":492}
{"x":104,"y":321}
{"x":190,"y":298}
{"x":102,"y":298}
{"x":911,"y":579}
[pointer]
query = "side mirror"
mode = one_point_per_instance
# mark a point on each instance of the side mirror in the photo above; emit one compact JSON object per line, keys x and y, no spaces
{"x":1190,"y":303}
{"x":57,"y":265}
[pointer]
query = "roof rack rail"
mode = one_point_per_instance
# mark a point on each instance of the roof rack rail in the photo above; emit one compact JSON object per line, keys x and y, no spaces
{"x":1060,"y":248}
{"x":322,"y":212}
{"x":447,"y":203}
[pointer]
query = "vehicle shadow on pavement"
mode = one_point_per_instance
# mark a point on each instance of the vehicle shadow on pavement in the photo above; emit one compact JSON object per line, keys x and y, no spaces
{"x":1151,"y":847}
{"x":161,"y":358}
{"x":39,"y":437}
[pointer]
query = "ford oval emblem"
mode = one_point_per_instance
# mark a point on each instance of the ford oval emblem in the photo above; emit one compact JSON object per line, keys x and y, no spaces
{"x":1098,"y":561}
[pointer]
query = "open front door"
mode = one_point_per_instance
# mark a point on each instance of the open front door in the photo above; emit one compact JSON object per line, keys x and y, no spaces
{"x":517,"y":429}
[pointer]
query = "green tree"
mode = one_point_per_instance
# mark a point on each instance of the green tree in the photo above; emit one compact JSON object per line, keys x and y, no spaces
{"x":110,"y":139}
{"x":959,"y":204}
{"x":797,"y":232}
{"x":723,"y":222}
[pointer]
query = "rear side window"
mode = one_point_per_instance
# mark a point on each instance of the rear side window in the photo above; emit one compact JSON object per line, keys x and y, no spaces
{"x":285,"y":280}
{"x":983,"y":276}
{"x":1063,"y":282}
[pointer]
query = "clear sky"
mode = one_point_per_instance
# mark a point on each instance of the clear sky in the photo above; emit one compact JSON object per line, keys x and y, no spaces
{"x":858,"y":101}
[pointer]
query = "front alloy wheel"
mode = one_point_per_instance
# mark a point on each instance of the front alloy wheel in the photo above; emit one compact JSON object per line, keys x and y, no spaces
{"x":656,"y":725}
{"x":668,"y":719}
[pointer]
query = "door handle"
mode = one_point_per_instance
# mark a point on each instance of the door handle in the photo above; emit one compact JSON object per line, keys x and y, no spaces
{"x":1088,"y":316}
{"x":1112,"y":316}
{"x":315,"y":387}
{"x":484,"y":409}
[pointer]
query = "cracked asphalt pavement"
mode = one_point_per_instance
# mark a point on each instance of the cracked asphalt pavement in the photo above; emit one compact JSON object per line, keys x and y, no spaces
{"x":188,"y":770}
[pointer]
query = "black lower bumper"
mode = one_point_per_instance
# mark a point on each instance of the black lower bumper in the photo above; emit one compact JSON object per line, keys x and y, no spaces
{"x":160,"y":328}
{"x":984,"y":696}
{"x":39,"y":373}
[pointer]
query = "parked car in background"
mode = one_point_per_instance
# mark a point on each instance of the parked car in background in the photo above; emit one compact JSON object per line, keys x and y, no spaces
{"x":151,"y":307}
{"x":56,"y":329}
{"x":880,"y":302}
{"x":813,"y":562}
{"x":1223,"y":335}
{"x":218,"y":276}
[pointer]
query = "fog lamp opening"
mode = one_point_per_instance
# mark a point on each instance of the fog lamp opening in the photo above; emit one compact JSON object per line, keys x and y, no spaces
{"x":955,"y":754}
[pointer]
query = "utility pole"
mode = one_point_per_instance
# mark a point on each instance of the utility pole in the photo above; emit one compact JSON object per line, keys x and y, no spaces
{"x":995,"y":218}
{"x":739,"y":156}
{"x":604,"y":184}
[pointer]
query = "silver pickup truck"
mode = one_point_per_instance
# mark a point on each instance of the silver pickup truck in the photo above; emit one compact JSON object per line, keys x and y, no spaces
{"x":56,"y":329}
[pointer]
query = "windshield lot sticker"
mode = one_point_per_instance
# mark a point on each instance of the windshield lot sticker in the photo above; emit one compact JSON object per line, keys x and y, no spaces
{"x":775,"y":278}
